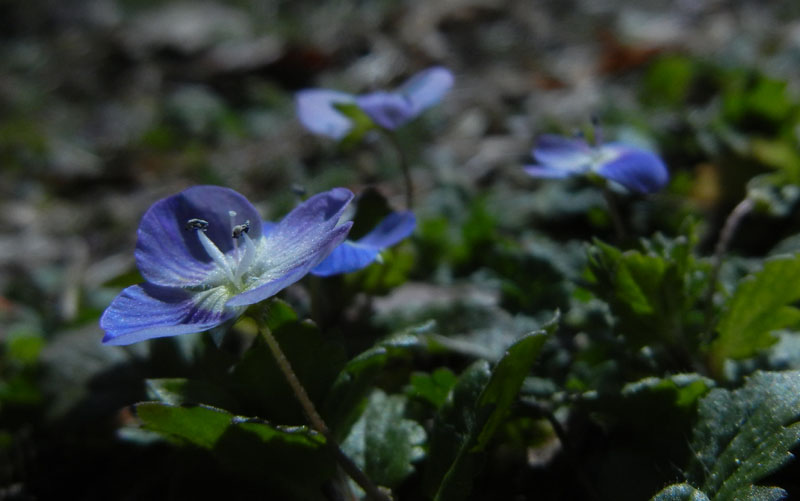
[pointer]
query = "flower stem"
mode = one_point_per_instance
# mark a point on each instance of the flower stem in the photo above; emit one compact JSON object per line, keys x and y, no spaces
{"x":373,"y":492}
{"x":613,"y":210}
{"x":404,"y":166}
{"x":733,"y":221}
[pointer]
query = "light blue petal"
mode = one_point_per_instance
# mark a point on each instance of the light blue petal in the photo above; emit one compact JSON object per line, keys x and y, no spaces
{"x":390,"y":110}
{"x":149,"y":311}
{"x":545,"y":172}
{"x":570,"y":154}
{"x":638,"y":170}
{"x":315,"y":109}
{"x":169,"y":254}
{"x":346,"y":258}
{"x":353,"y":256}
{"x":427,"y":88}
{"x":394,"y":228}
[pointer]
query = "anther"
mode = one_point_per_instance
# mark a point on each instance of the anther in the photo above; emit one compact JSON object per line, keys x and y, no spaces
{"x":196,"y":224}
{"x":240,"y":228}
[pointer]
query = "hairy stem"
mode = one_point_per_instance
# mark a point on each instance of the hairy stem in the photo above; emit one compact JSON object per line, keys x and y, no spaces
{"x":402,"y":159}
{"x":733,"y":221}
{"x":373,"y":492}
{"x":613,"y":210}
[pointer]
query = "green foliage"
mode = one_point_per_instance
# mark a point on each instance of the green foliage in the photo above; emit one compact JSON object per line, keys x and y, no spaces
{"x":294,"y":457}
{"x":760,"y":305}
{"x":481,"y":400}
{"x":744,"y":435}
{"x":433,"y":388}
{"x":361,"y":123}
{"x":653,"y":292}
{"x":352,"y":385}
{"x":383,"y":442}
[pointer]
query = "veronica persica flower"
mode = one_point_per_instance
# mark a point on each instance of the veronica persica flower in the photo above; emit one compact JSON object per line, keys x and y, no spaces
{"x":205,"y":257}
{"x":636,"y":169}
{"x":352,"y":255}
{"x":317,"y":111}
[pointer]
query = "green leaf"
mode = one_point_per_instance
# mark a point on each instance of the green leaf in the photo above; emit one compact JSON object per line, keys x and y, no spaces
{"x":361,"y":123}
{"x":345,"y":400}
{"x":180,"y":391}
{"x":744,"y":435}
{"x":652,"y":292}
{"x":293,"y":459}
{"x":434,"y":387}
{"x":481,"y":401}
{"x":760,"y":305}
{"x":383,"y":442}
{"x":259,"y":384}
{"x":680,"y":492}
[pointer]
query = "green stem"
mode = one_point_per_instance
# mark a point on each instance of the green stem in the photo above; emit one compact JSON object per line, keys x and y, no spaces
{"x":613,"y":210}
{"x":404,"y":166}
{"x":373,"y":492}
{"x":733,"y":221}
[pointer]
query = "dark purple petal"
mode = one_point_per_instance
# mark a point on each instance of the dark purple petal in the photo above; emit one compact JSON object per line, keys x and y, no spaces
{"x":547,"y":172}
{"x":149,"y":311}
{"x":638,"y":170}
{"x":427,"y":88}
{"x":298,"y":243}
{"x":390,"y":110}
{"x":394,"y":227}
{"x":315,"y":108}
{"x":294,"y":267}
{"x":169,"y":254}
{"x":558,"y":152}
{"x":346,"y":258}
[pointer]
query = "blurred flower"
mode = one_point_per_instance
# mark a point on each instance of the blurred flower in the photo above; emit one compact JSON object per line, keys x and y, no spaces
{"x":352,"y":255}
{"x":205,"y":258}
{"x":317,"y":110}
{"x":636,"y":169}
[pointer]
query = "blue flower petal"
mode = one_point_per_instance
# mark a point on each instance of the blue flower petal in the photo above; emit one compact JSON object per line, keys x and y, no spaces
{"x":390,"y":110}
{"x":427,"y":88}
{"x":569,"y":154}
{"x":315,"y":108}
{"x":546,"y":172}
{"x":638,"y":170}
{"x":346,"y":258}
{"x":352,"y":256}
{"x":149,"y":311}
{"x":169,"y":254}
{"x":298,"y":243}
{"x":394,"y":228}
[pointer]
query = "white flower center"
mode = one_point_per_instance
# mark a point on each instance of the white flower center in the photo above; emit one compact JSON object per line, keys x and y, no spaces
{"x":233,"y":267}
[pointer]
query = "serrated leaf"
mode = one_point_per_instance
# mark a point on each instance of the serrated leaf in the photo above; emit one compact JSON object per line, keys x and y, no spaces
{"x":481,"y":401}
{"x":179,"y":391}
{"x":344,"y":402}
{"x":744,"y":435}
{"x":383,"y":442}
{"x":293,"y":458}
{"x":760,"y":306}
{"x":433,"y":387}
{"x":680,"y":492}
{"x":650,"y":292}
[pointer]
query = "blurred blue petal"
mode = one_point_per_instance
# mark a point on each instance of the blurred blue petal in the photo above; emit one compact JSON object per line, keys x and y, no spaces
{"x":427,"y":88}
{"x":638,"y":170}
{"x":353,"y":256}
{"x":316,"y":111}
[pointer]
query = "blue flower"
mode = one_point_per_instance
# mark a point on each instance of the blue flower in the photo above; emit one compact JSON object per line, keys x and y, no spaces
{"x":636,"y":169}
{"x":352,"y":256}
{"x":205,"y":257}
{"x":390,"y":110}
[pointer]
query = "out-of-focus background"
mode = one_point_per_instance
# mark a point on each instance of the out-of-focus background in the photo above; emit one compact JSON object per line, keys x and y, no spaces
{"x":109,"y":105}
